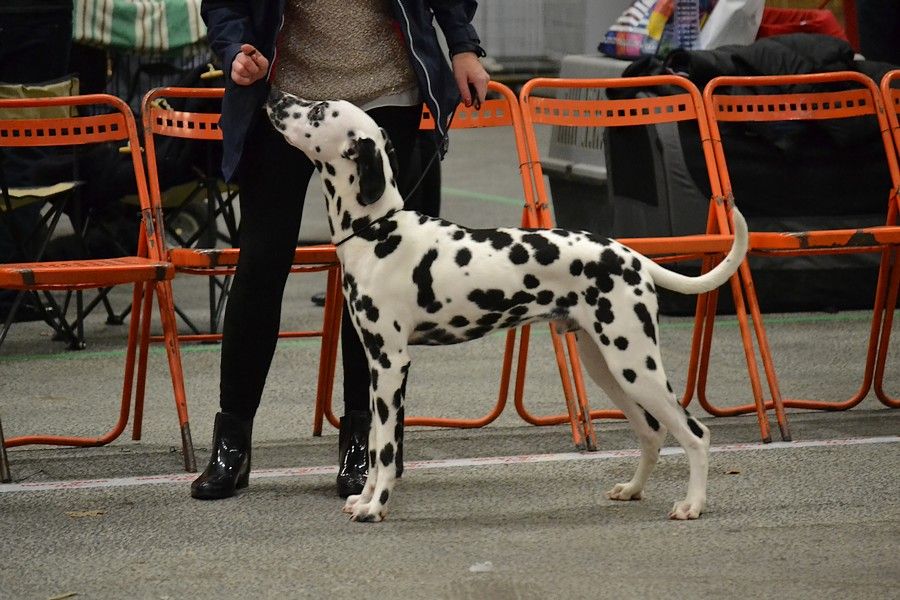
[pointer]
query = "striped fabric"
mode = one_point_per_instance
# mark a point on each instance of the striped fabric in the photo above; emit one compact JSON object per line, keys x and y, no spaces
{"x":138,"y":25}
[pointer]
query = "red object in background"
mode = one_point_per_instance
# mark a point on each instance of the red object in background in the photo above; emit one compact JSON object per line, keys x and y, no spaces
{"x":778,"y":21}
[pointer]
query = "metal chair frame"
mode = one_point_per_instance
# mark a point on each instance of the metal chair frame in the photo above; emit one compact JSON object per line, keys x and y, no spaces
{"x":686,"y":105}
{"x":891,"y":97}
{"x":148,"y":270}
{"x":864,"y":100}
{"x":157,"y":121}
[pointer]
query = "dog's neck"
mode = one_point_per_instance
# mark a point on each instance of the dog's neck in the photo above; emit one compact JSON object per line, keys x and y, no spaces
{"x":349,"y":220}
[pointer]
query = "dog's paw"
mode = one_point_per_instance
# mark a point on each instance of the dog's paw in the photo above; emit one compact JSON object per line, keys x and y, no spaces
{"x":686,"y":510}
{"x":363,"y":513}
{"x":624,"y":491}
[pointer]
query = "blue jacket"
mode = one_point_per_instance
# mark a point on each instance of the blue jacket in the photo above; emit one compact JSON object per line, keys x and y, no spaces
{"x":231,"y":23}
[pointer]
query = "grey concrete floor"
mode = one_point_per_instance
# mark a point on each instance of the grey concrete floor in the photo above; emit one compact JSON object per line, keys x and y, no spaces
{"x":507,"y":511}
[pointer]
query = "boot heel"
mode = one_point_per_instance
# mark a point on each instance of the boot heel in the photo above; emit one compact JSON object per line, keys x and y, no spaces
{"x":243,"y":480}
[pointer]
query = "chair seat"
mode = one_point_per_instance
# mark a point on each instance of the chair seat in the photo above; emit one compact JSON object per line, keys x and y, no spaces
{"x":89,"y":273}
{"x":214,"y":258}
{"x":866,"y":239}
{"x":676,"y":245}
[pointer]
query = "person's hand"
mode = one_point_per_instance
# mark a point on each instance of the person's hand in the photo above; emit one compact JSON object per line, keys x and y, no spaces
{"x":467,"y":69}
{"x":248,"y":66}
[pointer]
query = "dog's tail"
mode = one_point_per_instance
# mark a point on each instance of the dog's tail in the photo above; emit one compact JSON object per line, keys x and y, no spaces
{"x":714,"y":278}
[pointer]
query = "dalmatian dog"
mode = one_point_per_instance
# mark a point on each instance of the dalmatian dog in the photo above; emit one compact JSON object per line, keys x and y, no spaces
{"x":413,"y":279}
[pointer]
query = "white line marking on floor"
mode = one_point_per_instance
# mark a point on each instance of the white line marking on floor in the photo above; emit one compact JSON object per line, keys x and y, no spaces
{"x":183,"y":478}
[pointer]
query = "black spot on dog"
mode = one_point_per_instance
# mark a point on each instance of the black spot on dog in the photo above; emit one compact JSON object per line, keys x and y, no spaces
{"x":496,"y":301}
{"x":386,"y":247}
{"x":384,"y":497}
{"x":329,"y":168}
{"x":603,"y":339}
{"x":387,"y":454}
{"x":489,"y":319}
{"x":318,"y":165}
{"x":477,"y":332}
{"x":640,"y":309}
{"x":424,"y":280}
{"x":372,"y":456}
{"x":567,"y":301}
{"x":518,"y":255}
{"x":396,"y":325}
{"x":669,"y":387}
{"x":531,"y":282}
{"x":346,"y":220}
{"x":604,"y":313}
{"x":545,"y":252}
{"x":352,"y":177}
{"x":651,"y":421}
{"x":383,"y":410}
{"x":498,"y":239}
{"x":695,"y":428}
{"x":365,"y":304}
{"x":459,"y":321}
{"x":576,"y":268}
{"x":518,"y":311}
{"x":631,"y":277}
{"x":621,"y":343}
{"x":399,"y":394}
{"x":544,"y":297}
{"x":591,"y":295}
{"x":458,"y":235}
{"x":651,"y":364}
{"x":425,"y":326}
{"x":463,"y":256}
{"x":629,"y":375}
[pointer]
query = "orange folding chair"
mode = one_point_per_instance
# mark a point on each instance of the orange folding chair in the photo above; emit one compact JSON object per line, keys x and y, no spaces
{"x":148,"y":269}
{"x":548,"y":102}
{"x":890,"y":91}
{"x":839,"y":95}
{"x":159,"y":120}
{"x":502,"y":111}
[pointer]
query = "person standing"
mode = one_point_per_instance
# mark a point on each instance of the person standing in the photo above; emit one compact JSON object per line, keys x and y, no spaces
{"x":384,"y":56}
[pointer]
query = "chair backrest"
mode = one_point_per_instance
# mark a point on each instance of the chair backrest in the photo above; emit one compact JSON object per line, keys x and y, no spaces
{"x":817,"y":100}
{"x":501,"y":111}
{"x":543,"y":102}
{"x":117,"y":125}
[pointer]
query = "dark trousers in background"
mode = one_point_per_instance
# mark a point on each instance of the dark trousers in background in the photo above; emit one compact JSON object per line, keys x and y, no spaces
{"x":273,"y":179}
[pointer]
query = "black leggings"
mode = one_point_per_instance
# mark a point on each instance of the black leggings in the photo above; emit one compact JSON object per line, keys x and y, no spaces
{"x":273,"y":179}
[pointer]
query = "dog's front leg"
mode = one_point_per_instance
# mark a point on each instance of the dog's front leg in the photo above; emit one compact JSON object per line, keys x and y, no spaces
{"x":388,"y":390}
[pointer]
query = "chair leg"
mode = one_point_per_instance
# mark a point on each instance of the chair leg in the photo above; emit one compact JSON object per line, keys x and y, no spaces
{"x":886,"y":324}
{"x":141,"y":314}
{"x":331,"y":330}
{"x":173,"y":353}
{"x":5,"y":475}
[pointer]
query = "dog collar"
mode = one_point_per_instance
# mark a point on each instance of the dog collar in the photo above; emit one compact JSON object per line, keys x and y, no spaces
{"x":386,"y":215}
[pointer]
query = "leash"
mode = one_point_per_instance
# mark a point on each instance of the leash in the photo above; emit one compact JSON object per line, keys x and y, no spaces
{"x":446,"y":138}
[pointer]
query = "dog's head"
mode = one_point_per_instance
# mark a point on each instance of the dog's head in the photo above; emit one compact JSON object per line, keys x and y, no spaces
{"x":340,"y":138}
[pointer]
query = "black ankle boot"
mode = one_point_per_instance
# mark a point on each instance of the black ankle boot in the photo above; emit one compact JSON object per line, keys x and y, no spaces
{"x":353,"y":456}
{"x":229,"y":466}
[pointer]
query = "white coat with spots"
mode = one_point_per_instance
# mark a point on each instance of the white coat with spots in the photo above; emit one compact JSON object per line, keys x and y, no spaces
{"x":414,"y":279}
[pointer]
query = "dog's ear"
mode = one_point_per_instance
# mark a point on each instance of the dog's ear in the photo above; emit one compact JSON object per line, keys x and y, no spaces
{"x":391,"y":153}
{"x":370,"y":168}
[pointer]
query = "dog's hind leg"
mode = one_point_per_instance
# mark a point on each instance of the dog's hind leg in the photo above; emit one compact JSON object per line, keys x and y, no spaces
{"x":649,"y":431}
{"x":389,"y":375}
{"x":634,"y":361}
